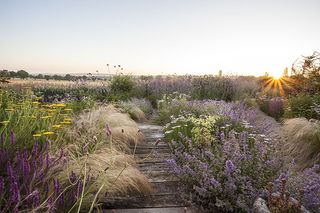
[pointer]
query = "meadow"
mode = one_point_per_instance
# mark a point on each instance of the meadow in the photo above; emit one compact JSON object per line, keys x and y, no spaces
{"x":238,"y":144}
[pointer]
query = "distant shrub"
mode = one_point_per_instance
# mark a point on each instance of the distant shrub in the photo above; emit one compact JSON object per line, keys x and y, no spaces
{"x":303,"y":105}
{"x":209,"y":87}
{"x":121,"y":87}
{"x":273,"y":107}
{"x":172,"y":104}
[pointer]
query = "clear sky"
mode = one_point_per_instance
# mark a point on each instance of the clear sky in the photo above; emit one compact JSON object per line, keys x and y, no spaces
{"x":157,"y":36}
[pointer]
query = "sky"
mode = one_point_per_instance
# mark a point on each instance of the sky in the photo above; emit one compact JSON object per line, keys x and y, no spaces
{"x":197,"y":37}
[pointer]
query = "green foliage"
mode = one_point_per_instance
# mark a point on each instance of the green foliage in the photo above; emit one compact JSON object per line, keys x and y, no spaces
{"x":303,"y":105}
{"x":201,"y":130}
{"x":31,"y":120}
{"x":171,"y":104}
{"x":273,"y":107}
{"x":121,"y":87}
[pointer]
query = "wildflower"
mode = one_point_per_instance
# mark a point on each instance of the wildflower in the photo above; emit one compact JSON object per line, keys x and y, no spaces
{"x":229,"y":168}
{"x":60,"y":105}
{"x":1,"y":185}
{"x":45,"y":117}
{"x":56,"y":126}
{"x":68,"y":109}
{"x":65,"y":122}
{"x":67,"y":119}
{"x":12,"y":137}
{"x":51,"y":110}
{"x":35,"y":102}
{"x":36,"y":135}
{"x":108,"y":129}
{"x":48,"y":133}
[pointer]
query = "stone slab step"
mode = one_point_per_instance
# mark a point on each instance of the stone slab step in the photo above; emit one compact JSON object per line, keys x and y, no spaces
{"x":155,"y":210}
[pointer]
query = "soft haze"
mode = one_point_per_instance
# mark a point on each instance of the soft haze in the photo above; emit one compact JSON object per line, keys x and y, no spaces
{"x":157,"y":37}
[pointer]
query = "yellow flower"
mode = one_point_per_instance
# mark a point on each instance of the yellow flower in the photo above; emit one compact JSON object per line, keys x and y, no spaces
{"x":56,"y":126}
{"x":51,"y":110}
{"x":65,"y":122}
{"x":68,"y":109}
{"x":35,"y":102}
{"x":67,"y":119}
{"x":45,"y":117}
{"x":4,"y":122}
{"x":48,"y":133}
{"x":60,"y":105}
{"x":36,"y":135}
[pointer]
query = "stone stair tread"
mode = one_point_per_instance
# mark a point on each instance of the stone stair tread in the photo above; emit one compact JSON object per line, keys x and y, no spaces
{"x":158,"y":210}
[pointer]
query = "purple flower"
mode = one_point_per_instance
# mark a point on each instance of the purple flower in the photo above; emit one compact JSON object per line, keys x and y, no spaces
{"x":229,"y":168}
{"x":12,"y":137}
{"x":1,"y":186}
{"x":2,"y":138}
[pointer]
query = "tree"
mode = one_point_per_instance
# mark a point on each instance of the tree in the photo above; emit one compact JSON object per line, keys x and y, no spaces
{"x":22,"y":74}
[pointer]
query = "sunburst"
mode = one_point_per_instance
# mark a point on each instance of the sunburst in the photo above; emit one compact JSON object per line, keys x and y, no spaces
{"x":277,"y":85}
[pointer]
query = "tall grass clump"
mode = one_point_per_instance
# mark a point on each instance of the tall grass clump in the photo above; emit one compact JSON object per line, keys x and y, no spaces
{"x":302,"y":141}
{"x":133,"y":110}
{"x":96,"y":143}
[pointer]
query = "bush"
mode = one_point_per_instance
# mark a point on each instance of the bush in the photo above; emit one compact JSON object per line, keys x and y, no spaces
{"x":273,"y":107}
{"x":223,"y":164}
{"x":228,"y":172}
{"x":303,"y":105}
{"x":121,"y":87}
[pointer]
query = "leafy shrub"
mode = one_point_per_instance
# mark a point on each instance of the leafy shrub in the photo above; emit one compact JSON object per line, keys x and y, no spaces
{"x":226,"y":175}
{"x":273,"y":107}
{"x":220,"y":159}
{"x":121,"y":87}
{"x":303,"y":105}
{"x":171,"y":104}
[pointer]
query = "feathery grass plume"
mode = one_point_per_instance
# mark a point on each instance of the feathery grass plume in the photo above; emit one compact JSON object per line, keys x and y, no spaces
{"x":113,"y":170}
{"x":133,"y":110}
{"x":90,"y":128}
{"x":302,"y":141}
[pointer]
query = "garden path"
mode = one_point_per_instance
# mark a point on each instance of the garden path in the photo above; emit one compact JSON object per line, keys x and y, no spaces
{"x":151,"y":160}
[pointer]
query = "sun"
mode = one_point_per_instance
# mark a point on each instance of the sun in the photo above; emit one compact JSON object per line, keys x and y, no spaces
{"x":277,"y":76}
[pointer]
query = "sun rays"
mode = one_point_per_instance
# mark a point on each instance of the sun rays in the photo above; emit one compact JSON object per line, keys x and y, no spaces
{"x":277,"y":85}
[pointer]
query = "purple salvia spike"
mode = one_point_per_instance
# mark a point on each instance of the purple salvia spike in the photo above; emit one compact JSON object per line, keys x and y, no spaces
{"x":1,"y":186}
{"x":2,"y":138}
{"x":12,"y":138}
{"x":35,"y":149}
{"x":36,"y":198}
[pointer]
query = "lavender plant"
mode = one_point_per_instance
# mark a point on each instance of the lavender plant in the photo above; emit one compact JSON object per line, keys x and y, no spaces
{"x":28,"y":180}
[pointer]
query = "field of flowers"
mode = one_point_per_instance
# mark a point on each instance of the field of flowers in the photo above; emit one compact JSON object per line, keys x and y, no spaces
{"x":236,"y":142}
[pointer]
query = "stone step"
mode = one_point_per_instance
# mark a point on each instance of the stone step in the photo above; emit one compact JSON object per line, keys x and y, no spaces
{"x":156,"y":210}
{"x":150,"y":201}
